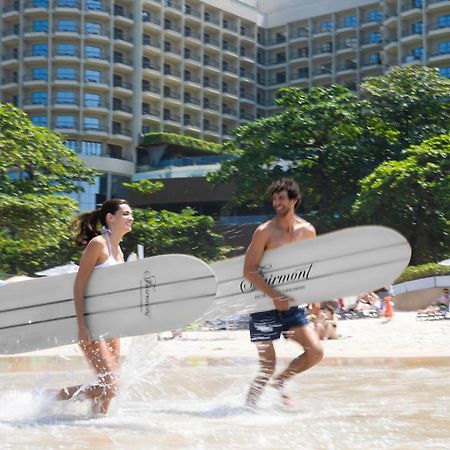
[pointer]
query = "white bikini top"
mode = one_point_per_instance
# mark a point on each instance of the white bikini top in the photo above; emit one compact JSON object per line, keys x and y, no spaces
{"x":110,"y":261}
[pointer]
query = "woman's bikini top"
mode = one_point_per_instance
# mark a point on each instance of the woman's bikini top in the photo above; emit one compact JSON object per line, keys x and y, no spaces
{"x":110,"y":261}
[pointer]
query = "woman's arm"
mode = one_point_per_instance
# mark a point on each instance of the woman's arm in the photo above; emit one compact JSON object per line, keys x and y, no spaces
{"x":88,"y":262}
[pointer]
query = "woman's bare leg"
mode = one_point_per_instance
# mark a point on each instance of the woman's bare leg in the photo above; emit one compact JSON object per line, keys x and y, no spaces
{"x":104,"y":357}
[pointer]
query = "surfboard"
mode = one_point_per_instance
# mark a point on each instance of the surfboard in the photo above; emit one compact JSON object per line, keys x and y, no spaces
{"x":147,"y":296}
{"x":337,"y":264}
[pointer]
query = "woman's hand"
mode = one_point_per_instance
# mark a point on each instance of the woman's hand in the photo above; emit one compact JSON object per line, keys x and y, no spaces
{"x":84,"y":336}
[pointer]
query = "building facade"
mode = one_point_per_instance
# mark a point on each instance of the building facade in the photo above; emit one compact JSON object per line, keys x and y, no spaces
{"x":103,"y":72}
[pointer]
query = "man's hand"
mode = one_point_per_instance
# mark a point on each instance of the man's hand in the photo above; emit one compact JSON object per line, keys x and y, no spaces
{"x":282,"y":302}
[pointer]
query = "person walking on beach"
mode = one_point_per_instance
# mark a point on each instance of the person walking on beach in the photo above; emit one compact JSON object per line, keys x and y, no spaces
{"x":102,"y":250}
{"x":265,"y":327}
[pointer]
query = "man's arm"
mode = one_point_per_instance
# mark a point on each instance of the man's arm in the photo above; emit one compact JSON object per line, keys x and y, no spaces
{"x":252,"y":259}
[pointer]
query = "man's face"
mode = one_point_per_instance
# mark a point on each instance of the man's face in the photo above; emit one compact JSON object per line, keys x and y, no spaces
{"x":282,"y":204}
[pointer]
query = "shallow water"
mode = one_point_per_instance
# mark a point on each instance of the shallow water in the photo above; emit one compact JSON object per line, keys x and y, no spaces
{"x":197,"y":404}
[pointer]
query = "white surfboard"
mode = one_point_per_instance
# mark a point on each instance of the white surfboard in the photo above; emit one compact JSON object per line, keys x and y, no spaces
{"x":337,"y":264}
{"x":140,"y":297}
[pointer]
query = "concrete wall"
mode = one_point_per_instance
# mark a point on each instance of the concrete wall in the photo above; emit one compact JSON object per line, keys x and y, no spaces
{"x":412,"y":301}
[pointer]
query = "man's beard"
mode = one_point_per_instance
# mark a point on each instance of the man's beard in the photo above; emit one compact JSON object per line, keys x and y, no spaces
{"x":283,"y":212}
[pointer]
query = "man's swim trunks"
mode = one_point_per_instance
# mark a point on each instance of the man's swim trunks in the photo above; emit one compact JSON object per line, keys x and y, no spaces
{"x":268,"y":325}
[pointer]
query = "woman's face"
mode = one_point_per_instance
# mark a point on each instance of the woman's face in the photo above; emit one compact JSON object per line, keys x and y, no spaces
{"x":122,"y":219}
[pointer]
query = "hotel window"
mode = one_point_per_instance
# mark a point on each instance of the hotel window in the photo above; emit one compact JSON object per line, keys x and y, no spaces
{"x":375,"y":16}
{"x":117,"y":57}
{"x":374,"y":58}
{"x":93,"y":52}
{"x":92,"y":76}
{"x":281,"y":77}
{"x":417,"y":53}
{"x":91,"y":148}
{"x":444,"y":48}
{"x":39,"y":73}
{"x":302,"y":52}
{"x":118,"y":10}
{"x":40,"y":3}
{"x":40,"y":25}
{"x":350,"y":22}
{"x":326,"y":25}
{"x":67,"y":25}
{"x":39,"y":121}
{"x":93,"y":28}
{"x":71,"y":144}
{"x":94,"y":5}
{"x":91,"y":123}
{"x":118,"y":33}
{"x":65,"y":121}
{"x":66,"y":50}
{"x":39,"y":98}
{"x":39,"y":50}
{"x":92,"y":99}
{"x":444,"y":72}
{"x":66,"y":73}
{"x":417,"y":27}
{"x":280,"y":57}
{"x":375,"y":37}
{"x":443,"y":21}
{"x":326,"y":47}
{"x":66,"y":98}
{"x":67,"y":3}
{"x":303,"y":72}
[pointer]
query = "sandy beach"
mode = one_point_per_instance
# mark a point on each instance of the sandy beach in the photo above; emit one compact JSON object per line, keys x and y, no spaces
{"x":401,"y":337}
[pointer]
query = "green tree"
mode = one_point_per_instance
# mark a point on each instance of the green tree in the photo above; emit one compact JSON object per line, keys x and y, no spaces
{"x":403,"y":108}
{"x":38,"y":158}
{"x":413,"y":196}
{"x":314,"y":140}
{"x":36,"y":170}
{"x":163,"y":232}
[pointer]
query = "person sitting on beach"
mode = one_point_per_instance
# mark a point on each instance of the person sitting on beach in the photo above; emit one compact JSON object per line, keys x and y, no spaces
{"x":291,"y":321}
{"x":441,"y":304}
{"x":324,"y":320}
{"x":102,"y":249}
{"x":366,"y":301}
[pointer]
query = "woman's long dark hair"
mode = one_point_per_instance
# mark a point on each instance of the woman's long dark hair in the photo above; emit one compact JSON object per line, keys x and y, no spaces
{"x":87,"y":222}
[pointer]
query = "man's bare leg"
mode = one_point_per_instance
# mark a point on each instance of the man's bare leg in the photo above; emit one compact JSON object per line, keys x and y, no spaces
{"x":267,"y":360}
{"x":313,"y":354}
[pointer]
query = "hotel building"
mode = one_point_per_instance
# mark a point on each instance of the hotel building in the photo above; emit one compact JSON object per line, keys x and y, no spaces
{"x":104,"y":72}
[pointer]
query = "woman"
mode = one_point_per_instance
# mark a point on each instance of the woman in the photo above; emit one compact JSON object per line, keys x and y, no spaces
{"x":102,"y":250}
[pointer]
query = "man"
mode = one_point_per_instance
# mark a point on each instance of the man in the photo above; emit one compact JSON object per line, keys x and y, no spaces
{"x":265,"y":327}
